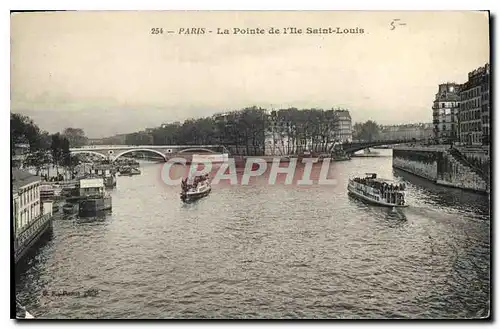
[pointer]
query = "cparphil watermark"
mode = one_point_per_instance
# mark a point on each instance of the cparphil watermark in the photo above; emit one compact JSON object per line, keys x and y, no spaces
{"x":303,"y":173}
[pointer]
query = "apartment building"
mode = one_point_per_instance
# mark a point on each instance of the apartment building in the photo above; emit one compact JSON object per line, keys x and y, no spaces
{"x":475,"y":107}
{"x":445,"y":112}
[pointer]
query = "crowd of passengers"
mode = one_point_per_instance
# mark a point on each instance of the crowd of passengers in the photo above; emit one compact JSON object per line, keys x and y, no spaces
{"x":198,"y":179}
{"x":382,"y":186}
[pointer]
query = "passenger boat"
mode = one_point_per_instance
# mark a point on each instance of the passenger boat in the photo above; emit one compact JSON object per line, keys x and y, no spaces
{"x":129,"y":171}
{"x":200,"y":188}
{"x":379,"y":191}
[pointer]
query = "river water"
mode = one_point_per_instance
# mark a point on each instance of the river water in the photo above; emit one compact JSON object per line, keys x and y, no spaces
{"x":261,"y":251}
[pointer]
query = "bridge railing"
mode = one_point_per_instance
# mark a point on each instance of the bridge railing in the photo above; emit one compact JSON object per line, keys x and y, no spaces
{"x":121,"y":147}
{"x":359,"y":145}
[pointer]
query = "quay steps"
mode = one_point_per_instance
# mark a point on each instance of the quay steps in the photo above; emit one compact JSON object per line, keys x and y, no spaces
{"x":463,"y":160}
{"x":463,"y":176}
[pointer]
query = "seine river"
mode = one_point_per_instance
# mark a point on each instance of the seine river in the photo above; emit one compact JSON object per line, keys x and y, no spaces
{"x":262,"y":251}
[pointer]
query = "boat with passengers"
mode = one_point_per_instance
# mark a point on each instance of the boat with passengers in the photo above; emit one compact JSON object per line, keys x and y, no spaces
{"x":379,"y":191}
{"x":200,"y":188}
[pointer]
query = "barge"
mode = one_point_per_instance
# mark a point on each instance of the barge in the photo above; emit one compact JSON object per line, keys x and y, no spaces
{"x":93,"y":197}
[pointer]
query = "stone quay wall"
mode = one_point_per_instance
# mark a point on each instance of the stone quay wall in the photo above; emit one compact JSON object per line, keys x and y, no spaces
{"x":438,"y":166}
{"x":417,"y":162}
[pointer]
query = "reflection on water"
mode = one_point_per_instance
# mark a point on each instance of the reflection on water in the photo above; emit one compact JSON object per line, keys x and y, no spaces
{"x":98,"y":216}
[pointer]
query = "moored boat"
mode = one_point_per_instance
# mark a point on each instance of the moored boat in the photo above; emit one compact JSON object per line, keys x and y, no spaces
{"x":55,"y":207}
{"x":129,"y":171}
{"x":93,"y":197}
{"x":341,"y":157}
{"x":107,"y":172}
{"x":379,"y":191}
{"x":200,"y":188}
{"x":367,"y":153}
{"x":70,"y":208}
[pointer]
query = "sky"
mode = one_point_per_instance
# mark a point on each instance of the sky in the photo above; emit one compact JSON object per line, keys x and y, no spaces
{"x":105,"y":72}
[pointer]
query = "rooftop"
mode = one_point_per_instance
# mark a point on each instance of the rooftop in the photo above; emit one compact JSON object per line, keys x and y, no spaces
{"x":22,"y":178}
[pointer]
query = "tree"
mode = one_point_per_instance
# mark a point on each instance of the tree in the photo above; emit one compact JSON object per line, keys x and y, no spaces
{"x":356,"y":130}
{"x":24,"y":130}
{"x":65,"y":153}
{"x":37,"y":160}
{"x":56,"y":150}
{"x":251,"y":125}
{"x":75,"y":136}
{"x":45,"y":140}
{"x":367,"y":131}
{"x":244,"y":131}
{"x":140,"y":138}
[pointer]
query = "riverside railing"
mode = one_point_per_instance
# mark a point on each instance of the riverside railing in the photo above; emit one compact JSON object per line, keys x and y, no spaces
{"x":26,"y":234}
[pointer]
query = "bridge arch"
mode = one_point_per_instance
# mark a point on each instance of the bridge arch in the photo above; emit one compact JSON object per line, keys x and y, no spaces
{"x":140,"y":150}
{"x":196,"y":149}
{"x":89,"y":152}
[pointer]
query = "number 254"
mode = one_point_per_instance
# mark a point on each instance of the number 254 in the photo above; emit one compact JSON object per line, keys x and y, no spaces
{"x":156,"y":30}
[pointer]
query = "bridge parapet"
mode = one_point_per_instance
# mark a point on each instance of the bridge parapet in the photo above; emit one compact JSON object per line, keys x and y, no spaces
{"x":113,"y":152}
{"x":358,"y":146}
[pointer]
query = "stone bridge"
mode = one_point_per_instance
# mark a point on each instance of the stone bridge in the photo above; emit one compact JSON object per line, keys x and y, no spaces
{"x":113,"y":152}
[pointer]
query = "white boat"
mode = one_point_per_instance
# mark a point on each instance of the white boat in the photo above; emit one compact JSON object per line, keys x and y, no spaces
{"x":367,"y":153}
{"x":379,"y":191}
{"x":196,"y":191}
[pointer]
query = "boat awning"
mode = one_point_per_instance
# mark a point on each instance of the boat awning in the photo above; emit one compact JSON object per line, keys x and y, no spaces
{"x":91,"y":182}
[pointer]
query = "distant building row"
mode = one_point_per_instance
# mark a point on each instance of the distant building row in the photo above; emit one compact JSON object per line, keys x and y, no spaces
{"x":419,"y":131}
{"x":461,"y":112}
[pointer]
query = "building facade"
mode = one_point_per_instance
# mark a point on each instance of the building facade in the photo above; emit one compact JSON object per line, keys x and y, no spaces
{"x":445,"y":112}
{"x":30,"y":217}
{"x":112,"y":140}
{"x":343,"y":126}
{"x":26,"y":204}
{"x":419,"y":131}
{"x":475,"y":107}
